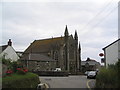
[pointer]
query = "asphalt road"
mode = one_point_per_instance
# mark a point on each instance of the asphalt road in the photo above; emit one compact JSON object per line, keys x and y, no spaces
{"x":80,"y":81}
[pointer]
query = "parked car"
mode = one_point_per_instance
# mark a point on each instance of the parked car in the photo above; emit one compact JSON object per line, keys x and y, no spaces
{"x":41,"y":86}
{"x":57,"y":69}
{"x":91,"y":74}
{"x":86,"y":73}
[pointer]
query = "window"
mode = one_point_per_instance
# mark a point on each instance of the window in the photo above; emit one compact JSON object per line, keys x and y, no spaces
{"x":56,"y":55}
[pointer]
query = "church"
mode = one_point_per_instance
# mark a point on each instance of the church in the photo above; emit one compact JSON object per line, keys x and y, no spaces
{"x":60,"y":52}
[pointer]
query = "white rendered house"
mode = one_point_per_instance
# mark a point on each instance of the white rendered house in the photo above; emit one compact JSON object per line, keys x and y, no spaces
{"x":8,"y":52}
{"x":112,"y":52}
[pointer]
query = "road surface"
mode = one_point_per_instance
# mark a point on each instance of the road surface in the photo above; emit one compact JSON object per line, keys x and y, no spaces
{"x":76,"y":81}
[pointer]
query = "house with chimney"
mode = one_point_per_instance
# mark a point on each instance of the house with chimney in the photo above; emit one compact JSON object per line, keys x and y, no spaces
{"x":8,"y":52}
{"x":90,"y":65}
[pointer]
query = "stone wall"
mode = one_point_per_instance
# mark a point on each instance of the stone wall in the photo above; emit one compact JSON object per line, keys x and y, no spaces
{"x":51,"y":73}
{"x":41,"y":65}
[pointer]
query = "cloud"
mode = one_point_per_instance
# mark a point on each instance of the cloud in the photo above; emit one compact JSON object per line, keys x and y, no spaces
{"x":25,"y":22}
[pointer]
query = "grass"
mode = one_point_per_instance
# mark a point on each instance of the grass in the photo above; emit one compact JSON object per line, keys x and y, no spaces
{"x":29,"y":80}
{"x":18,"y":76}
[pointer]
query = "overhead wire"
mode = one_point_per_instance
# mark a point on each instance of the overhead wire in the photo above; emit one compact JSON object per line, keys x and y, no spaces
{"x":103,"y":19}
{"x":98,"y":14}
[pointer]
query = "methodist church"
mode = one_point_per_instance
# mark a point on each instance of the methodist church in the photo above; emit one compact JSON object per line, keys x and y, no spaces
{"x":60,"y":52}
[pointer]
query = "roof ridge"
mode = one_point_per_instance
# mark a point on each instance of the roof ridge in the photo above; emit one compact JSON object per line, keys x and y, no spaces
{"x":49,"y":38}
{"x":111,"y":44}
{"x":3,"y":45}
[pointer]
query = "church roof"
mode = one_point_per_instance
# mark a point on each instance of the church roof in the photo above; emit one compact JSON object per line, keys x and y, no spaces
{"x":38,"y":57}
{"x":44,"y":45}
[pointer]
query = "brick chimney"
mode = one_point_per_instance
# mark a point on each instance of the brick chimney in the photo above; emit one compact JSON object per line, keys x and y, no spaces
{"x":9,"y":42}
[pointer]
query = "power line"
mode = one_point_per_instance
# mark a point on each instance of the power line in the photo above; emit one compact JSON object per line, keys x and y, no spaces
{"x":105,"y":16}
{"x":89,"y":22}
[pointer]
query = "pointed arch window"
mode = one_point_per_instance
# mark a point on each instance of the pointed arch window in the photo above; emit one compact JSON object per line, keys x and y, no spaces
{"x":56,"y":55}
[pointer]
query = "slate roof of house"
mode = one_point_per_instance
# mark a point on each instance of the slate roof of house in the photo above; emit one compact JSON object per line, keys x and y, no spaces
{"x":44,"y":45}
{"x":91,"y":62}
{"x":38,"y":57}
{"x":110,"y":44}
{"x":2,"y":48}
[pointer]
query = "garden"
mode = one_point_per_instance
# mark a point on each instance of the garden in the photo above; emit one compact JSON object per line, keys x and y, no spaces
{"x":15,"y":75}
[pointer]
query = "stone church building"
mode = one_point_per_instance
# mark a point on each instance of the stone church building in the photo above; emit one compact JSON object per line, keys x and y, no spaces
{"x":47,"y":54}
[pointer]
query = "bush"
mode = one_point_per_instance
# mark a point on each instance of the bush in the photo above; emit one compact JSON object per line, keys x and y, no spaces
{"x":29,"y":80}
{"x":13,"y":66}
{"x":22,"y":70}
{"x":108,"y":77}
{"x":9,"y":72}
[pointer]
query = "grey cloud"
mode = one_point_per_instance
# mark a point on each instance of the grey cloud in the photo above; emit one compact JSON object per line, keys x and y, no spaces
{"x":25,"y":22}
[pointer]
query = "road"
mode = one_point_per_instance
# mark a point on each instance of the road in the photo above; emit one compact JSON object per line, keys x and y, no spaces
{"x":80,"y":81}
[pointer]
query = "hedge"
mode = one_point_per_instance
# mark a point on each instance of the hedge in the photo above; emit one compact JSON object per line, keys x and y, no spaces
{"x":109,"y":77}
{"x":29,"y":80}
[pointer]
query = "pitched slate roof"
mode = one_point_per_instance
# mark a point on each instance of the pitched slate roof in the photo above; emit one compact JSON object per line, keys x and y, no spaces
{"x":40,"y":46}
{"x":38,"y":57}
{"x":91,"y":62}
{"x":2,"y":48}
{"x":110,"y":44}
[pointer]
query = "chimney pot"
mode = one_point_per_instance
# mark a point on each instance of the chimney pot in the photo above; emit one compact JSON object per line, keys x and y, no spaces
{"x":9,"y":42}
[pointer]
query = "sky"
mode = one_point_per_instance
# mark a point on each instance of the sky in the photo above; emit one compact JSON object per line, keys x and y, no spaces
{"x":96,"y":22}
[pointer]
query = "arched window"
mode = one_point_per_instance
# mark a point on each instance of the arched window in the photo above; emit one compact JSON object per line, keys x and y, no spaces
{"x":56,"y":55}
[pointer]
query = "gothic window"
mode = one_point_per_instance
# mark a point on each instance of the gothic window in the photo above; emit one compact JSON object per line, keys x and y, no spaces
{"x":48,"y":53}
{"x":56,"y":55}
{"x":52,"y":54}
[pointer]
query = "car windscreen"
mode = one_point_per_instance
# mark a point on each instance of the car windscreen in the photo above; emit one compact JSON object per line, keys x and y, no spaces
{"x":92,"y":72}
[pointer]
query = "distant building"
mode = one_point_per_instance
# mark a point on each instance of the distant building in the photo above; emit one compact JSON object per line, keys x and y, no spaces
{"x":90,"y":65}
{"x":112,"y":52}
{"x":48,"y":54}
{"x":19,"y":53}
{"x":8,"y":52}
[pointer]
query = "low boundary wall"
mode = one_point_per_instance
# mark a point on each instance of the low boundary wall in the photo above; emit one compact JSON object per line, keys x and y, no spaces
{"x":51,"y":73}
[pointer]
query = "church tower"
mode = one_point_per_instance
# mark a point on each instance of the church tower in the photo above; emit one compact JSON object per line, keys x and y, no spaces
{"x":76,"y":52}
{"x":66,"y":40}
{"x":79,"y":55}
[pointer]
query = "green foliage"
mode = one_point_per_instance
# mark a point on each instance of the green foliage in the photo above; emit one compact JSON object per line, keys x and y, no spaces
{"x":16,"y":79}
{"x":22,"y":70}
{"x":108,"y":77}
{"x":118,"y":70}
{"x":5,"y":61}
{"x":13,"y":65}
{"x":29,"y":80}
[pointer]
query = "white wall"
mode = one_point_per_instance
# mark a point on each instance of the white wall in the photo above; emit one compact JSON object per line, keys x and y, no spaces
{"x":111,"y":53}
{"x":9,"y":53}
{"x":119,"y":19}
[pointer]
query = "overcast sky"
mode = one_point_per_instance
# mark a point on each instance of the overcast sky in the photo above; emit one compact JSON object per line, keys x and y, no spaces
{"x":96,"y":22}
